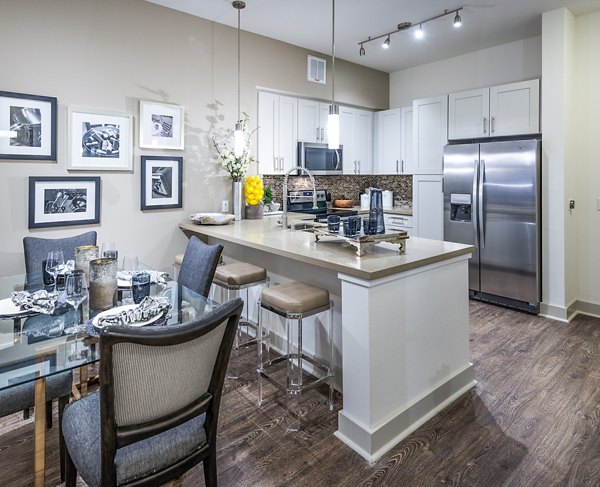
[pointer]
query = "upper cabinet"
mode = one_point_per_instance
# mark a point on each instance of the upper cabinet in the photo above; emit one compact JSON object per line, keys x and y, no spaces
{"x":312,"y":121}
{"x":394,"y":129}
{"x":430,"y":116}
{"x":277,"y":133}
{"x":356,"y":138}
{"x":511,"y":109}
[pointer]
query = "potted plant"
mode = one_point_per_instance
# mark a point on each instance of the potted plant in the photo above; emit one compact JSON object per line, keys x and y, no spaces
{"x":236,"y":166}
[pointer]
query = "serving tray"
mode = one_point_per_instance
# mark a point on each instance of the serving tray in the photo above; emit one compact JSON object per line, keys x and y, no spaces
{"x":362,"y":242}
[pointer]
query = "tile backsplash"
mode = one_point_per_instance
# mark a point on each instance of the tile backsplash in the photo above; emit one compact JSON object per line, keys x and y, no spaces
{"x":345,"y":186}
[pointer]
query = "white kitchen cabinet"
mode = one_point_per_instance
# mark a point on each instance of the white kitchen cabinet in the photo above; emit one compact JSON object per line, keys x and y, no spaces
{"x":406,"y":140}
{"x":312,"y":121}
{"x":277,"y":133}
{"x":430,"y":132}
{"x":510,"y":109}
{"x":515,"y":108}
{"x":356,"y":138}
{"x":428,"y":207}
{"x":387,"y":159}
{"x":397,"y":223}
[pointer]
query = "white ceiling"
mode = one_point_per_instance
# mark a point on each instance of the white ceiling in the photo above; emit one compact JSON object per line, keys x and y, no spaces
{"x":307,"y":23}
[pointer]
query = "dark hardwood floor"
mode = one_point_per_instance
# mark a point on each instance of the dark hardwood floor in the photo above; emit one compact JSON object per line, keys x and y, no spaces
{"x":532,"y":420}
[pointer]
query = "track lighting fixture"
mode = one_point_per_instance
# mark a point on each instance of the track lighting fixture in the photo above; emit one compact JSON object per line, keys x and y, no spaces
{"x":457,"y":20}
{"x":419,"y":32}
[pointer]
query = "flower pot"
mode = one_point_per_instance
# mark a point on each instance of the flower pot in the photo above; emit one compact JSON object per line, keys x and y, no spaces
{"x":254,"y":212}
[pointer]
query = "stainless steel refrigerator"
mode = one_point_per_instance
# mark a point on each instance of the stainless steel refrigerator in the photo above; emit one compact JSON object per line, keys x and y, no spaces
{"x":492,"y":201}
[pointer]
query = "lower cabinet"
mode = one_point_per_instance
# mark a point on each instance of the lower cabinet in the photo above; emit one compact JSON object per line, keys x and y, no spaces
{"x":428,"y":206}
{"x":398,"y":223}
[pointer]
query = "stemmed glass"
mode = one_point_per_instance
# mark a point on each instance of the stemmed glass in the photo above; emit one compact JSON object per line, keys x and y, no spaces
{"x":76,"y":293}
{"x":55,"y":262}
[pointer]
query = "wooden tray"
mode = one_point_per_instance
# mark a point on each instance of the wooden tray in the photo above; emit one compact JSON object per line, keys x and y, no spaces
{"x":361,"y":242}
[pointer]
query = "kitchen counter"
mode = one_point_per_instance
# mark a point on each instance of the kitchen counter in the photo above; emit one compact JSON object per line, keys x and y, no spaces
{"x":396,"y":210}
{"x":401,"y":322}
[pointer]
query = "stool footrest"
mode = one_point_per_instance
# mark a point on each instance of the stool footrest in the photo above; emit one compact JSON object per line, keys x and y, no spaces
{"x":313,"y":383}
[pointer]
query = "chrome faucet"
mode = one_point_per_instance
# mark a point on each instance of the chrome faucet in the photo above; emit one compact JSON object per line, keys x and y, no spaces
{"x":284,"y":218}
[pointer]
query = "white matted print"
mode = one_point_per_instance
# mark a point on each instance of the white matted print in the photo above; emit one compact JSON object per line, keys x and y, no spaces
{"x":27,"y":127}
{"x":161,"y":126}
{"x":100,"y":141}
{"x":62,"y":201}
{"x":162,"y":182}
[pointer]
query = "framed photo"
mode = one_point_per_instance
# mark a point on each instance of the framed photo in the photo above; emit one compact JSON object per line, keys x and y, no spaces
{"x":162,"y":182}
{"x":27,"y":127}
{"x":63,"y":200}
{"x":99,"y":141}
{"x":161,"y":126}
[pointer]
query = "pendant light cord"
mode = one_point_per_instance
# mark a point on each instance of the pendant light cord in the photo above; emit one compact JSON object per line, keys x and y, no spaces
{"x":333,"y":52}
{"x":238,"y":66}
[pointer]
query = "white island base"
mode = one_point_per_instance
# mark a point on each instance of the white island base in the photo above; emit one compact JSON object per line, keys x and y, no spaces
{"x":404,"y":338}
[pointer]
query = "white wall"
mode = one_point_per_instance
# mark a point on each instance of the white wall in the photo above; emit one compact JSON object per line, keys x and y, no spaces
{"x":107,"y":55}
{"x":516,"y":61}
{"x":586,"y":138}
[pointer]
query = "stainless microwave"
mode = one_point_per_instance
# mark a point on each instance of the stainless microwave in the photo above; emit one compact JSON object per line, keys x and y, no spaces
{"x":319,"y":159}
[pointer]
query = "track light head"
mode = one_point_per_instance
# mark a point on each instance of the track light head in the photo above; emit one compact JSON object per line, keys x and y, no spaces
{"x":419,"y":34}
{"x":386,"y":43}
{"x":361,"y":51}
{"x":457,"y":20}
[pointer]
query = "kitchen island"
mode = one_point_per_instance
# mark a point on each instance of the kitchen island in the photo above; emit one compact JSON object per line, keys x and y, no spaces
{"x":401,"y":321}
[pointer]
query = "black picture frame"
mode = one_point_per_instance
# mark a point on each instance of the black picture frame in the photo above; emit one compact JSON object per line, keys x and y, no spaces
{"x":59,"y":201}
{"x":33,"y":120}
{"x":161,"y":182}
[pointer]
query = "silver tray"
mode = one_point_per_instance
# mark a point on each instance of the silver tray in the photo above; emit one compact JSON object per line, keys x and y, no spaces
{"x":361,"y":242}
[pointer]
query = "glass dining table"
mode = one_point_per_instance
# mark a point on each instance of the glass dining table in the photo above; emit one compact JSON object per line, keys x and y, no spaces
{"x":35,"y":346}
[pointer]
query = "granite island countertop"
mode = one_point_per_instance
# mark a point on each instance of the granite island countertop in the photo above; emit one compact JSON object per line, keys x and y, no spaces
{"x":379,"y":261}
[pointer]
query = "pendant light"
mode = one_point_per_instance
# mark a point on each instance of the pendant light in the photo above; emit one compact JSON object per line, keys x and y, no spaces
{"x":238,"y":134}
{"x":333,"y":120}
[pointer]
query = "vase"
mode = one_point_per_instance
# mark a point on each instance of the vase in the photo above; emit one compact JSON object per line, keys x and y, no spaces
{"x":376,"y":222}
{"x":236,"y":191}
{"x":83,"y":256}
{"x":103,"y":283}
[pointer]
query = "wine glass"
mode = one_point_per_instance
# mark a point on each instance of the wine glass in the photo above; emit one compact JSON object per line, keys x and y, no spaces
{"x":109,"y":250}
{"x":55,"y":262}
{"x":76,"y":293}
{"x":131,"y":264}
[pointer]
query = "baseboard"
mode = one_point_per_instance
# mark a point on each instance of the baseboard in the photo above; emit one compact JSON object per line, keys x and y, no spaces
{"x":558,"y":313}
{"x":585,"y":308}
{"x":567,"y":314}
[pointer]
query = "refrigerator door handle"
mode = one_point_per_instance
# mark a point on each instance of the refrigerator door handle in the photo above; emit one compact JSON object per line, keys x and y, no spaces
{"x":475,"y":212}
{"x":480,"y":204}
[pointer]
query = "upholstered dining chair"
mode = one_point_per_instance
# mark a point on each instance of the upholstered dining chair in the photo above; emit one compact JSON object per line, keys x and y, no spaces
{"x":155,"y":415}
{"x":36,"y":249}
{"x":198,"y":266}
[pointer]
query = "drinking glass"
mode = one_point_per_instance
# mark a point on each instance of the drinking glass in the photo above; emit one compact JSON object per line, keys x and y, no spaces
{"x":109,"y":250}
{"x":131,"y":264}
{"x":55,"y":262}
{"x":76,"y":292}
{"x":140,"y":286}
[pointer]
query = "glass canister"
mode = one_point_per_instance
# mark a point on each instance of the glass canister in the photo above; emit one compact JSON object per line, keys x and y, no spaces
{"x":83,"y":256}
{"x":376,"y":222}
{"x":103,"y":283}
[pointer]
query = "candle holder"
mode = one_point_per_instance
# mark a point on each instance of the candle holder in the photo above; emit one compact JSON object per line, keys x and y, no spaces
{"x":103,"y":283}
{"x":83,"y":256}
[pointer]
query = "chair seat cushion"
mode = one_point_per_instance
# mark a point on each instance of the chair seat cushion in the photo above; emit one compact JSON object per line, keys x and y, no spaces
{"x":240,"y":273}
{"x":81,"y":429}
{"x":295,"y":297}
{"x":22,"y":396}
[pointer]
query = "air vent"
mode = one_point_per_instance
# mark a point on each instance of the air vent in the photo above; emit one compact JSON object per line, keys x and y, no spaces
{"x":317,"y":72}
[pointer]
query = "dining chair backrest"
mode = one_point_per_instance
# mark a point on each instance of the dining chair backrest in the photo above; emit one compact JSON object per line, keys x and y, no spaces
{"x":36,"y":249}
{"x":198,"y":266}
{"x":156,"y":378}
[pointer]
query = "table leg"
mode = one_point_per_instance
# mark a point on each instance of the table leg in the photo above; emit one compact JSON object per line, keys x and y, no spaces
{"x":83,"y":380}
{"x":39,"y":459}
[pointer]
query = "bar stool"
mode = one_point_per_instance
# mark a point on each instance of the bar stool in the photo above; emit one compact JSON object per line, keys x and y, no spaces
{"x":233,"y":278}
{"x":295,"y":301}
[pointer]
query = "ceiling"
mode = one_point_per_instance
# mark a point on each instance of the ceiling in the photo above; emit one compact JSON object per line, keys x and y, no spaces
{"x":307,"y":23}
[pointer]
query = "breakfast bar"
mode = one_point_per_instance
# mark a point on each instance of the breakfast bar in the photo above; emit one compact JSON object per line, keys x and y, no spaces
{"x":401,"y":321}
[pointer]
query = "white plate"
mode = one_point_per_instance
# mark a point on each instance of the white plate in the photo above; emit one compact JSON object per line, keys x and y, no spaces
{"x":8,"y":308}
{"x":118,"y":310}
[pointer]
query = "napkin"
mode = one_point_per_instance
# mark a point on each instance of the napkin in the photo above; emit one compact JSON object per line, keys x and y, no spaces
{"x":148,"y":307}
{"x":40,"y":301}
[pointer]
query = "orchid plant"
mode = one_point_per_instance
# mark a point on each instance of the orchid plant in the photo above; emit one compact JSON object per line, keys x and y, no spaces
{"x":236,"y":166}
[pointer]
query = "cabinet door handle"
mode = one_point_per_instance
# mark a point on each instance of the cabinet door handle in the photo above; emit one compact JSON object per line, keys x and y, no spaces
{"x":282,"y":163}
{"x":402,"y":166}
{"x":396,"y":166}
{"x":492,"y":129}
{"x":322,"y":135}
{"x":484,"y":125}
{"x":355,"y":168}
{"x":359,"y":166}
{"x":317,"y":135}
{"x":274,"y":163}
